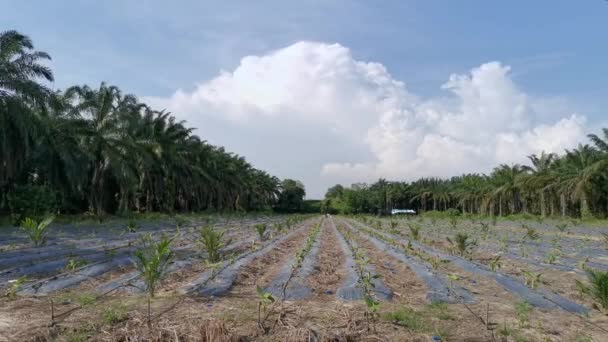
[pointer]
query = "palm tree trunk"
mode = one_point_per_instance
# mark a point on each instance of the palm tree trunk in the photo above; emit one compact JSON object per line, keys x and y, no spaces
{"x":543,"y":209}
{"x":585,"y":211}
{"x":500,"y":206}
{"x":562,"y":202}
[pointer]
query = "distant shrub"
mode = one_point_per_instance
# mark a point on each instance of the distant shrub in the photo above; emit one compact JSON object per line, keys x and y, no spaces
{"x":31,"y":201}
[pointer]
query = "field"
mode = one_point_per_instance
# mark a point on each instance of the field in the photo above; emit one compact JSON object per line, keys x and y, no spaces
{"x":308,"y":278}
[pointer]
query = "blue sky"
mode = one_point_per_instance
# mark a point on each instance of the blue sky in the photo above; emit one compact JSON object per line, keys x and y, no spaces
{"x":556,"y":51}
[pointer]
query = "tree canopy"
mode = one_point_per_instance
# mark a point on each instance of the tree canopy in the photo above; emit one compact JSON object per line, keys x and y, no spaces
{"x":100,"y":150}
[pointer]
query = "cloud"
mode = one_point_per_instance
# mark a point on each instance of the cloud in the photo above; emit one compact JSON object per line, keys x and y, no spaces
{"x":350,"y":120}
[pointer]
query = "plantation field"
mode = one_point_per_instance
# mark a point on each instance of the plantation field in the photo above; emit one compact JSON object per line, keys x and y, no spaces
{"x":308,"y":278}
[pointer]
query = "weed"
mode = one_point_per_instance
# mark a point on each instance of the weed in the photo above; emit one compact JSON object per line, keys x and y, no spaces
{"x":36,"y":231}
{"x":212,"y":242}
{"x":114,"y":314}
{"x":85,"y":299}
{"x":440,"y":310}
{"x":406,"y":317}
{"x":278,"y":227}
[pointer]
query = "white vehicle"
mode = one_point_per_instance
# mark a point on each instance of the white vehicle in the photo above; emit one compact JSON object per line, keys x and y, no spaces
{"x":403,"y":211}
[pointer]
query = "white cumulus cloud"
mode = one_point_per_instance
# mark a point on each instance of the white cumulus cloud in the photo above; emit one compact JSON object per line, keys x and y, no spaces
{"x":349,"y":120}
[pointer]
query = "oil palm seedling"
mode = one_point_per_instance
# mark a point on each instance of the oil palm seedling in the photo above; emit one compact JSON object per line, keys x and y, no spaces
{"x":463,"y":243}
{"x":260,"y":228}
{"x":14,"y":286}
{"x":414,"y":231}
{"x":264,"y":300}
{"x":531,"y":233}
{"x":132,"y":226}
{"x":36,"y":231}
{"x":73,"y":264}
{"x":522,"y":311}
{"x":212,"y":242}
{"x":152,"y":261}
{"x":495,"y":263}
{"x":562,"y":226}
{"x":596,"y":287}
{"x":532,"y":279}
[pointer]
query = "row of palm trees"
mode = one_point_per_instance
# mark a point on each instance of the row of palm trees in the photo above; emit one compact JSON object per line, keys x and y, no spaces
{"x":573,"y":184}
{"x":100,"y":150}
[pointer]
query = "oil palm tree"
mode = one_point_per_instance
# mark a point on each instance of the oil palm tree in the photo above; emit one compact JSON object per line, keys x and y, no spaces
{"x":537,"y":176}
{"x":22,"y":98}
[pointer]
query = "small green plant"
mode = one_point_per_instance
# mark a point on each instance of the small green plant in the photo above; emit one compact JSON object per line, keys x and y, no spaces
{"x":278,"y":227}
{"x":212,"y":242}
{"x":152,"y":261}
{"x":264,"y":300}
{"x":414,"y":231}
{"x":463,"y":243}
{"x":407,"y":317}
{"x":36,"y":231}
{"x":531,"y":279}
{"x":440,"y":310}
{"x":495,"y":264}
{"x":597,"y":287}
{"x":393,"y":224}
{"x":115,"y":314}
{"x":562,"y":226}
{"x":531,"y":233}
{"x":132,"y":226}
{"x":15,"y":286}
{"x":181,"y":222}
{"x":261,"y":229}
{"x":485,"y":227}
{"x":522,"y":311}
{"x":73,"y":264}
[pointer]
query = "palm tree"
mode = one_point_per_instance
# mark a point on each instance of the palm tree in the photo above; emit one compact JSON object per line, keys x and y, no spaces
{"x":574,"y":178}
{"x":22,"y":97}
{"x":504,"y":178}
{"x":538,"y":176}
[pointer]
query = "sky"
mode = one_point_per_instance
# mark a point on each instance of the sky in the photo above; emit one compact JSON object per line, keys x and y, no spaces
{"x":343,"y":91}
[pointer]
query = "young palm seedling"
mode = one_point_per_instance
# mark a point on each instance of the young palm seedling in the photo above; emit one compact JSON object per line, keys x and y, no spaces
{"x":597,"y":287}
{"x":73,"y":264}
{"x":531,"y":279}
{"x":264,"y":300}
{"x":495,"y":264}
{"x":261,"y":229}
{"x":463,"y":243}
{"x":393,"y":224}
{"x":36,"y":231}
{"x":562,"y":226}
{"x":212,"y":242}
{"x":132,"y":226}
{"x":15,"y":286}
{"x":152,"y":261}
{"x":414,"y":231}
{"x":531,"y":233}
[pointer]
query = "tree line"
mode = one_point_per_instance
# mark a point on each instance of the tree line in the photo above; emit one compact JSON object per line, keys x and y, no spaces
{"x":98,"y":150}
{"x":574,"y":184}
